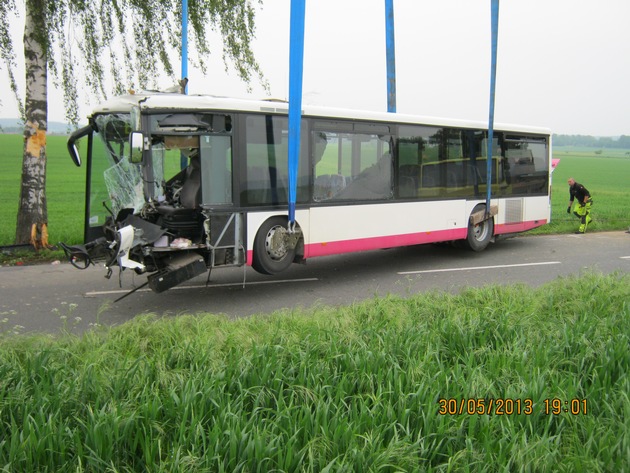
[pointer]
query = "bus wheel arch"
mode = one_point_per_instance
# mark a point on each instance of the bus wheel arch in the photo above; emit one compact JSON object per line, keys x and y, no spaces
{"x":479,"y":236}
{"x":273,"y":253}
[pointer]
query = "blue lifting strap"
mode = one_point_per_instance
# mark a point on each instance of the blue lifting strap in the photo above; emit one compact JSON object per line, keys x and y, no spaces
{"x":493,"y":74}
{"x":296,"y":63}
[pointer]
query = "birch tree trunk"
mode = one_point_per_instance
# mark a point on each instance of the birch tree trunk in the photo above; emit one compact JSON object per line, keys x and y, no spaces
{"x":32,"y":219}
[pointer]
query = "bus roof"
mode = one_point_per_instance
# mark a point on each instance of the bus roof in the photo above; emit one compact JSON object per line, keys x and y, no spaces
{"x":164,"y":102}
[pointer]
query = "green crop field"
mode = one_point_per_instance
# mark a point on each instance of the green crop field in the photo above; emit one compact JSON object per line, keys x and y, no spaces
{"x":605,"y":175}
{"x":65,"y":189}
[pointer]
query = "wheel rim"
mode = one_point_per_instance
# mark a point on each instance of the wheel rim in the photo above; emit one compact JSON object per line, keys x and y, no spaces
{"x":480,"y":231}
{"x":275,"y":244}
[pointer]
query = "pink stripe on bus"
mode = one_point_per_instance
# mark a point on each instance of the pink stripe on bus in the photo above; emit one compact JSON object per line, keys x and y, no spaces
{"x":375,"y":243}
{"x":391,"y":241}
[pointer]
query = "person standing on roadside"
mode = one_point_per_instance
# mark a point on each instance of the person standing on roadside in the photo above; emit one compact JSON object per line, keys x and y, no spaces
{"x":583,"y":209}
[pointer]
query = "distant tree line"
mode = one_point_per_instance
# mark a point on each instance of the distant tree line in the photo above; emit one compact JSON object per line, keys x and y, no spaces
{"x":592,"y":141}
{"x":12,"y":126}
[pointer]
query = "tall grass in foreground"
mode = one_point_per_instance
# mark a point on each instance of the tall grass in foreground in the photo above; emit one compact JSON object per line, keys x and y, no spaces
{"x":348,"y":389}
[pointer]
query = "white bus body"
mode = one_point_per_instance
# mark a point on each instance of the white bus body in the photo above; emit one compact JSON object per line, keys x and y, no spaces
{"x":366,"y":181}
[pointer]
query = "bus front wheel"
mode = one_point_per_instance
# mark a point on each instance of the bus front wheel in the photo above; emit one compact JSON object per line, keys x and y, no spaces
{"x":480,"y":235}
{"x":272,"y":251}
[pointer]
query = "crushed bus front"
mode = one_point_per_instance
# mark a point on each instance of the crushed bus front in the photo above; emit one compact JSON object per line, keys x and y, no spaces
{"x":144,"y":207}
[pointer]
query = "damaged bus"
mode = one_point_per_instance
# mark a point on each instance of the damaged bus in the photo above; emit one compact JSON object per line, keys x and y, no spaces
{"x":180,"y":184}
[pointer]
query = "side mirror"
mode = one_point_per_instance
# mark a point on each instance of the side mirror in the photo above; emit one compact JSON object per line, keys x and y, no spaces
{"x":74,"y":154}
{"x":72,"y":143}
{"x":136,"y":146}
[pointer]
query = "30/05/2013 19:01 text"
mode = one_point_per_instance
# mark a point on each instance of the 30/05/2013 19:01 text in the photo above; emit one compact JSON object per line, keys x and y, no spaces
{"x":508,"y":406}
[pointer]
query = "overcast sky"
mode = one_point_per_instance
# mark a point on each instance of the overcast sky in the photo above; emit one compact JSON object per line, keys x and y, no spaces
{"x":562,"y":64}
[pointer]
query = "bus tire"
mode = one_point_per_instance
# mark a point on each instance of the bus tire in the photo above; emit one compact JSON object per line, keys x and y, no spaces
{"x":271,"y":253}
{"x":480,"y":235}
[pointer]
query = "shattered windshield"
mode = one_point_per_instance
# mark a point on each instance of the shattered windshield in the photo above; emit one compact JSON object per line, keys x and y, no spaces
{"x":116,"y":182}
{"x":113,"y":130}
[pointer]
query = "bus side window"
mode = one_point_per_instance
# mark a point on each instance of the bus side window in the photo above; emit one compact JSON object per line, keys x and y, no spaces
{"x":266,"y":175}
{"x":408,"y":176}
{"x":216,"y":168}
{"x":372,"y":165}
{"x":409,"y":159}
{"x":352,"y":162}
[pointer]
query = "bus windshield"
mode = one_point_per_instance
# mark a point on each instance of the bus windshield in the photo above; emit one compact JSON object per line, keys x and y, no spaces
{"x":116,"y":183}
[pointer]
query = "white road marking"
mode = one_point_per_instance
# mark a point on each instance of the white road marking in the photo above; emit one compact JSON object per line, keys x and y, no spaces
{"x":624,"y":257}
{"x":201,"y":286}
{"x":480,"y":267}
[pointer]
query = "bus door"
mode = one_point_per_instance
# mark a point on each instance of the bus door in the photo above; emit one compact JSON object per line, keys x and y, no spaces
{"x":112,"y":182}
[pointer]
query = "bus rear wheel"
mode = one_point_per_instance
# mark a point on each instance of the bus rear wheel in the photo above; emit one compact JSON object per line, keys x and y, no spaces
{"x":272,"y":253}
{"x":480,"y":235}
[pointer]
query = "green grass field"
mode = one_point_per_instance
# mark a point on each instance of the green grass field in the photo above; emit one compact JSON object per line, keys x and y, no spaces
{"x":357,"y":388}
{"x":605,"y":175}
{"x":65,"y":189}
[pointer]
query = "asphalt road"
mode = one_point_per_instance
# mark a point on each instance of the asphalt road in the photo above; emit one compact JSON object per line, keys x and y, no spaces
{"x":53,"y":297}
